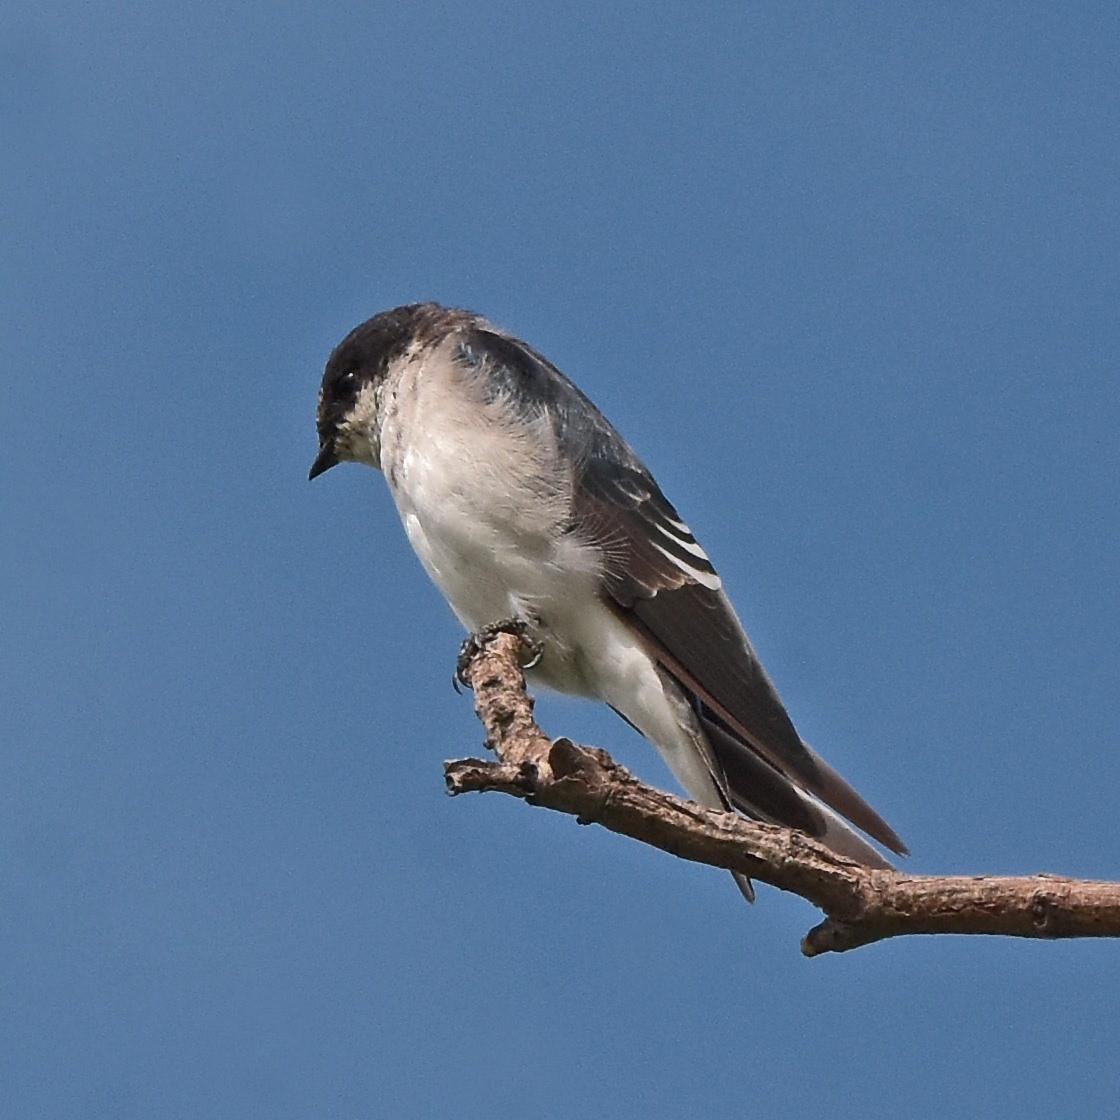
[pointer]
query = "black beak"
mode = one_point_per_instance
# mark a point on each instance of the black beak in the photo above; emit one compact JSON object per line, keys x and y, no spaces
{"x":323,"y":461}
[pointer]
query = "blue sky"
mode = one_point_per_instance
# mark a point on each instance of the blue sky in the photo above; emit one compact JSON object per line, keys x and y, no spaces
{"x":847,"y":277}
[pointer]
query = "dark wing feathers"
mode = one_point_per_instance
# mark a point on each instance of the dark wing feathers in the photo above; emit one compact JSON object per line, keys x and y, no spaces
{"x":664,"y":586}
{"x":772,"y":796}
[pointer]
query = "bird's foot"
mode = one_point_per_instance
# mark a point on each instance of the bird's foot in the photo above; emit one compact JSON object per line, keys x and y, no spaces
{"x":474,"y":642}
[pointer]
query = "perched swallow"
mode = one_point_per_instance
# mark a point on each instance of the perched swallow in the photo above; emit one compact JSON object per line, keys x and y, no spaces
{"x":521,"y":500}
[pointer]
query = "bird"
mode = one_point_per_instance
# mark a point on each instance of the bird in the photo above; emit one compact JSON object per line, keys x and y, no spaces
{"x":522,"y":501}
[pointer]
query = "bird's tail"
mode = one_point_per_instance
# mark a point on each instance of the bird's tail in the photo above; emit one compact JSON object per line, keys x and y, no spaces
{"x":760,"y":790}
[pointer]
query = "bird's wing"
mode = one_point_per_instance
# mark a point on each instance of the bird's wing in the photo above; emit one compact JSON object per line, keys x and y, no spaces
{"x":668,"y":591}
{"x":663,"y":585}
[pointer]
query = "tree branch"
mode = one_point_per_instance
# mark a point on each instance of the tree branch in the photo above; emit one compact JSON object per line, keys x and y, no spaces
{"x":861,"y":905}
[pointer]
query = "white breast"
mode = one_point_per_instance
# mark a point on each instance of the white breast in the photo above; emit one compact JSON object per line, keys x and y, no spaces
{"x":485,"y":498}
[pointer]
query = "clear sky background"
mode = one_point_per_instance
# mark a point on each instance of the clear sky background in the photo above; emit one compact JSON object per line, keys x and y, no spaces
{"x":846,"y":275}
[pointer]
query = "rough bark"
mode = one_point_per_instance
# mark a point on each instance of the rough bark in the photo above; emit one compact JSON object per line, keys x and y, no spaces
{"x":860,"y":905}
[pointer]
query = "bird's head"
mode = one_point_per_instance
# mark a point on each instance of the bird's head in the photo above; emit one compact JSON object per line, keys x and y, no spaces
{"x":348,"y":417}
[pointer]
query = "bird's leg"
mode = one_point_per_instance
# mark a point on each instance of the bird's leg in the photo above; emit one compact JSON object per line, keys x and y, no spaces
{"x":474,"y":642}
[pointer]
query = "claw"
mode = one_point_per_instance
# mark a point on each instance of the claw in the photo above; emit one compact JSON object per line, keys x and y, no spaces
{"x":471,"y":645}
{"x":475,"y":641}
{"x":536,"y":652}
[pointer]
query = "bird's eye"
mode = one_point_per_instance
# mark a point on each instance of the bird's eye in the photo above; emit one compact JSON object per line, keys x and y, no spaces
{"x":347,"y":383}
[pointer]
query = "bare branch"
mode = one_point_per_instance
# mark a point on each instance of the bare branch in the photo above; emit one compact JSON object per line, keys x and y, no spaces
{"x":861,"y":905}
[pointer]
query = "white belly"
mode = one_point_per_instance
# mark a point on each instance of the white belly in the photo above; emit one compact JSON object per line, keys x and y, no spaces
{"x":486,"y":506}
